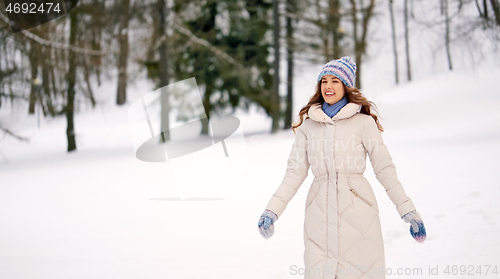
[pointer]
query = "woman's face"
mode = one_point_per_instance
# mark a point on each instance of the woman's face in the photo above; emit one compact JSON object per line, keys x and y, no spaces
{"x":332,"y":89}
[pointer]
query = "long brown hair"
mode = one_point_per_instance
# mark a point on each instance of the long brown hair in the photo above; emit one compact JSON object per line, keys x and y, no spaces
{"x":352,"y":95}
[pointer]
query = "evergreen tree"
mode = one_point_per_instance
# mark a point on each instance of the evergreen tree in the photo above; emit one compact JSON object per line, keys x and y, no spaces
{"x":225,"y":83}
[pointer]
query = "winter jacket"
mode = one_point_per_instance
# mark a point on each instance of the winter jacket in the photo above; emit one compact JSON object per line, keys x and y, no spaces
{"x":342,"y":233}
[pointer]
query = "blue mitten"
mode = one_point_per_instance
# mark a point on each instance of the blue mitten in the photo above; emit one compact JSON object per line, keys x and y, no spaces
{"x":266,"y":223}
{"x":417,"y":229}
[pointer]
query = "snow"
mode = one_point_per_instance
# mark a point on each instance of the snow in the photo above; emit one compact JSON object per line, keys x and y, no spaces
{"x":101,"y":213}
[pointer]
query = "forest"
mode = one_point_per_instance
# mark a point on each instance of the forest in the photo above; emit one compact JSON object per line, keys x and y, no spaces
{"x":233,"y":48}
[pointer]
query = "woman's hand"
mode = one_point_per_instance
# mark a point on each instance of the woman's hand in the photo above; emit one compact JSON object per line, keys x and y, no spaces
{"x":417,"y":229}
{"x":266,"y":223}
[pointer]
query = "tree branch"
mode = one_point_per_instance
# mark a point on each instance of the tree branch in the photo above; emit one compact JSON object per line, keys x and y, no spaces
{"x":7,"y":132}
{"x":47,"y":43}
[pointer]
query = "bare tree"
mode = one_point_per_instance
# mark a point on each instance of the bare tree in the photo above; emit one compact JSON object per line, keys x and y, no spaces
{"x":275,"y":102}
{"x":291,"y":9}
{"x":8,"y":132}
{"x":485,"y":5}
{"x":97,"y":28}
{"x":46,"y":80}
{"x":334,"y":17}
{"x":444,"y":11}
{"x":482,"y":13}
{"x":495,"y":6}
{"x":360,"y":41}
{"x":163,"y":67}
{"x":394,"y":43}
{"x":71,"y":79}
{"x":121,"y":94}
{"x":34,"y":56}
{"x":407,"y":42}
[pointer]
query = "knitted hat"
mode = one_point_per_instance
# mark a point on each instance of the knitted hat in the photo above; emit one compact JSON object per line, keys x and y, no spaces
{"x":343,"y":68}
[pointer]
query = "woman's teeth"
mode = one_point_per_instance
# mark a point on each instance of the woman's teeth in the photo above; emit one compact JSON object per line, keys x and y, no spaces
{"x":329,"y":93}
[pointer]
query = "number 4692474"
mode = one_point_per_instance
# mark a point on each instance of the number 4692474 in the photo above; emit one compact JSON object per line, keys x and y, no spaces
{"x":31,"y":8}
{"x":470,"y":270}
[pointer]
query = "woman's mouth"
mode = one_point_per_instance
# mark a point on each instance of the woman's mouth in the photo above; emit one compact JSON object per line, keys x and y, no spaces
{"x":329,"y":93}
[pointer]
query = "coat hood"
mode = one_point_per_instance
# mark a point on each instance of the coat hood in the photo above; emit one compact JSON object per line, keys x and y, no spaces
{"x":316,"y":113}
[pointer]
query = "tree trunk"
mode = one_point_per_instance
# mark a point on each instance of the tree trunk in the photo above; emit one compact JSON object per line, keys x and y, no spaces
{"x":360,"y":43}
{"x":33,"y":57}
{"x":96,"y":45}
{"x":209,"y":89}
{"x":150,"y":53}
{"x":335,"y":24}
{"x":447,"y":33}
{"x":496,"y":10}
{"x":485,"y":6}
{"x":275,"y":102}
{"x":46,"y":55}
{"x":290,"y":47}
{"x":165,"y":115}
{"x":163,"y":71}
{"x":359,"y":64}
{"x":394,"y":43}
{"x":46,"y":82}
{"x":323,"y":31}
{"x":86,"y":76}
{"x":53,"y":79}
{"x":479,"y":9}
{"x":70,"y":131}
{"x":407,"y":41}
{"x":356,"y":42}
{"x":121,"y":95}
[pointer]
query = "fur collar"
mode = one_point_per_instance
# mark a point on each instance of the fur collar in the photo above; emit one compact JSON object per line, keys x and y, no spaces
{"x":316,"y":113}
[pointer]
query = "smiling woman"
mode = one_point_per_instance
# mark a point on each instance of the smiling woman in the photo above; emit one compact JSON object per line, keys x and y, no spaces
{"x":342,"y":232}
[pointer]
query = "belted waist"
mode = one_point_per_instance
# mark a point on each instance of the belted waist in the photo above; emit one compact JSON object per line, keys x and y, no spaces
{"x":340,"y":174}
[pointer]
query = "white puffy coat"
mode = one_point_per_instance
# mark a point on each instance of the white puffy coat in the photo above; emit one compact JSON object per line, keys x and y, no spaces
{"x":342,"y":232}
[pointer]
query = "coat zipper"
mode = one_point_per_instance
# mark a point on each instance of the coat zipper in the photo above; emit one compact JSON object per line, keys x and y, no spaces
{"x":356,"y":194}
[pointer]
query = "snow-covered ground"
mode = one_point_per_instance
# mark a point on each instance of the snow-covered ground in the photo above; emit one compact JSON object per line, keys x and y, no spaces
{"x":101,"y":213}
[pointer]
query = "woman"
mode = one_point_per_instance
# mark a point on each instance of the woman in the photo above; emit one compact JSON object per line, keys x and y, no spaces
{"x":342,"y":233}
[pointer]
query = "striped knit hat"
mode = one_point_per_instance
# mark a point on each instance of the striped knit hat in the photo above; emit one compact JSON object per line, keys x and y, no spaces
{"x":343,"y":68}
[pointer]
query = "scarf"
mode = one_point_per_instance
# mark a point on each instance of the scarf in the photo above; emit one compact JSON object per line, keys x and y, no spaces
{"x":331,"y":110}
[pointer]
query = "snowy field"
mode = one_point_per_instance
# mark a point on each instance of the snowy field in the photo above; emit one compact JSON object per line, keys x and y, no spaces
{"x":101,"y":213}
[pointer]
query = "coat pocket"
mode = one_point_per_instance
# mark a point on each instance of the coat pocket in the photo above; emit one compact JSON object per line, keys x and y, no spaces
{"x":356,"y":194}
{"x":312,"y":194}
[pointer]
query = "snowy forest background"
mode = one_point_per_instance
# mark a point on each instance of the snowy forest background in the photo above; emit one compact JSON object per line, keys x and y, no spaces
{"x":75,"y":202}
